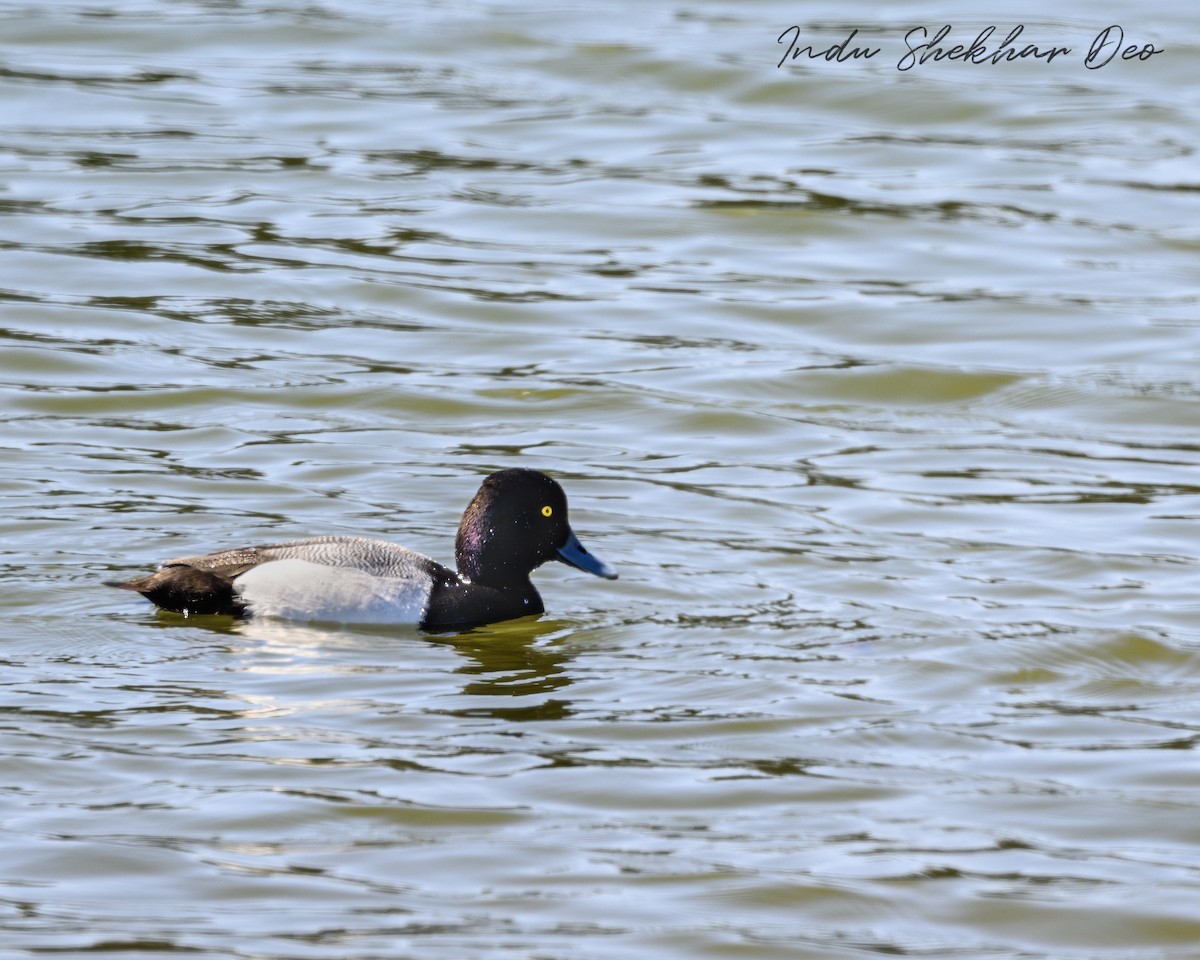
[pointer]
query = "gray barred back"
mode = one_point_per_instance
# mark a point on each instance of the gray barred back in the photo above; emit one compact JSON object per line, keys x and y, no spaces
{"x":376,"y":557}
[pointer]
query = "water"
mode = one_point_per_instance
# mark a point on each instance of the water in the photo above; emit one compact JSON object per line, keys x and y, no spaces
{"x":878,"y":386}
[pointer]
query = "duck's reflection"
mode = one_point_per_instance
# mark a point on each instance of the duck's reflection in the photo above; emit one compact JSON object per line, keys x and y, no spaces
{"x":512,"y":671}
{"x":515,"y":659}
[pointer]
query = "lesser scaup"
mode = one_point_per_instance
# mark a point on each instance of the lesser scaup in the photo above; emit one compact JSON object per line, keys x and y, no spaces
{"x":516,"y":522}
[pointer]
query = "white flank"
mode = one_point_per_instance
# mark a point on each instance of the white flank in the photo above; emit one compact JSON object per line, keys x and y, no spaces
{"x":300,"y":590}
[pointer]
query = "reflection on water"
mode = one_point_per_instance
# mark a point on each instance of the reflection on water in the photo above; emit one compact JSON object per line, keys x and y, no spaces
{"x":502,"y":663}
{"x":879,"y":387}
{"x":517,"y":670}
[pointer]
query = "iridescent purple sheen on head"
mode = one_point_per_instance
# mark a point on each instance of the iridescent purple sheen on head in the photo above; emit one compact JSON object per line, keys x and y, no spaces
{"x":471,"y":543}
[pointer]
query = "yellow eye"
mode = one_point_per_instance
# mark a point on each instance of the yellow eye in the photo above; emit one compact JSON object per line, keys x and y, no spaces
{"x":547,"y":510}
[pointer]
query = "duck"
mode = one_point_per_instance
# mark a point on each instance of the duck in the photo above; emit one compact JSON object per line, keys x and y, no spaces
{"x":516,"y":522}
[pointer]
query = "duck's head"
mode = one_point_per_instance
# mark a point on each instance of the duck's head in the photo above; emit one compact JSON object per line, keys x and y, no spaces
{"x":516,"y":522}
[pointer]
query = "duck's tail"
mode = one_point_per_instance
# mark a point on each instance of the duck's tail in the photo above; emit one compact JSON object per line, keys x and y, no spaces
{"x":187,"y":590}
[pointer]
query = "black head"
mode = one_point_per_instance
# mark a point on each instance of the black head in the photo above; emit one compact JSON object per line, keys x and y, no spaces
{"x":518,"y":521}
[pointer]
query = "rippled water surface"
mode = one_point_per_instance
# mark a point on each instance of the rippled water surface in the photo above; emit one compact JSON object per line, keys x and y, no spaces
{"x":879,"y":387}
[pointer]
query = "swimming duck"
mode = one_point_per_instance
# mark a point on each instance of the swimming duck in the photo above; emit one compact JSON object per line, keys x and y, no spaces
{"x":516,"y":522}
